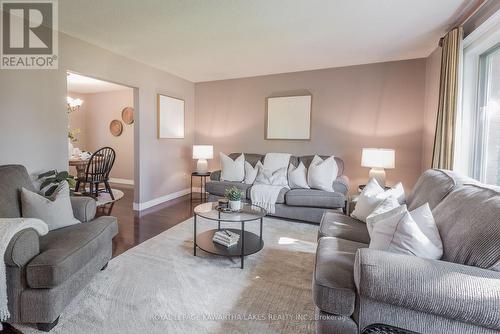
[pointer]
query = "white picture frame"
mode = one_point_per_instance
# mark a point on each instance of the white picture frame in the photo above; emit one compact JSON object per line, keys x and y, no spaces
{"x":170,"y":117}
{"x":288,"y":117}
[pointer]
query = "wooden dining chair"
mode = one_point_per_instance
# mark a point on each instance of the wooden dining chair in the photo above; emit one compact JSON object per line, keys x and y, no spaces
{"x":97,"y":171}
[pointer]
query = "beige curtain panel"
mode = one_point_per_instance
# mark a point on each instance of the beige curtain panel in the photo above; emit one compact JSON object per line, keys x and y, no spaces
{"x":444,"y":139}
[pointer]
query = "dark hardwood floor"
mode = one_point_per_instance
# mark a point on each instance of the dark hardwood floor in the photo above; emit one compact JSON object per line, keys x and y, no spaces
{"x":136,"y":227}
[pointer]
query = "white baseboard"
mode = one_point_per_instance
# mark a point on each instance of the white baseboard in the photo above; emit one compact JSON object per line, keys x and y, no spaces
{"x":121,"y":181}
{"x":159,"y":200}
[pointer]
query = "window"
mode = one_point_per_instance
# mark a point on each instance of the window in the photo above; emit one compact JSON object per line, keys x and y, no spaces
{"x":487,"y":151}
{"x":477,"y":144}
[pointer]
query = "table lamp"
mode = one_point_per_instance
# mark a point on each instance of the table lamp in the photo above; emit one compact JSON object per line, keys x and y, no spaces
{"x":377,"y":159}
{"x":202,"y":153}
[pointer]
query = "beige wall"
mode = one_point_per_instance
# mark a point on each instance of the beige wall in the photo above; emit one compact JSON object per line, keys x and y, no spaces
{"x":375,"y":105}
{"x":432,"y":75}
{"x":93,"y":119}
{"x":163,"y":166}
{"x":353,"y":107}
{"x":33,"y":119}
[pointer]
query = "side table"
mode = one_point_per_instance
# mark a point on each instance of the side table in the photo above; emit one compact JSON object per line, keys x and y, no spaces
{"x":362,"y":186}
{"x":203,"y":182}
{"x":249,"y":242}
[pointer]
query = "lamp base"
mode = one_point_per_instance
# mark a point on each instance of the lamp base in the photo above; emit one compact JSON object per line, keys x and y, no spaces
{"x":379,"y":175}
{"x":202,"y":166}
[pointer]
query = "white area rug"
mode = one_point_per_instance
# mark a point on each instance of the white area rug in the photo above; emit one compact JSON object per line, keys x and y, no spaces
{"x":105,"y":198}
{"x":160,"y":287}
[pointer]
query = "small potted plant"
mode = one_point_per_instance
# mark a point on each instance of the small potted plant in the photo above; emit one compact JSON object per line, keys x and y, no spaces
{"x":233,"y":194}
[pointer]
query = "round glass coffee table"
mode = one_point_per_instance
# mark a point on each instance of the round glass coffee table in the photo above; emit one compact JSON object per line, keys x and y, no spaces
{"x":249,"y":243}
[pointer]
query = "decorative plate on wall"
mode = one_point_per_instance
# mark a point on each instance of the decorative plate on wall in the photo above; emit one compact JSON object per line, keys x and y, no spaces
{"x":116,"y":127}
{"x":128,"y":115}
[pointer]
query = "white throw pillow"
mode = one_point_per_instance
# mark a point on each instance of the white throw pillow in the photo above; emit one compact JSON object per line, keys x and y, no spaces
{"x":399,"y":232}
{"x":232,"y":170}
{"x":425,"y":221}
{"x":275,"y":161}
{"x":368,"y":200}
{"x":322,"y":173}
{"x":55,"y":211}
{"x":378,"y":214}
{"x":372,"y":188}
{"x":398,"y":192}
{"x":251,"y":172}
{"x":297,"y":176}
{"x":373,"y":195}
{"x":277,"y":178}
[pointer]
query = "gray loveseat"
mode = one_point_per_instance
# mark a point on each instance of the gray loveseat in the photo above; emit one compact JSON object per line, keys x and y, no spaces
{"x":355,"y":287}
{"x":45,"y":273}
{"x":301,"y":204}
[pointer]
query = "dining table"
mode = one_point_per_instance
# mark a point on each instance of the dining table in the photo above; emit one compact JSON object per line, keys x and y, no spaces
{"x":80,"y":165}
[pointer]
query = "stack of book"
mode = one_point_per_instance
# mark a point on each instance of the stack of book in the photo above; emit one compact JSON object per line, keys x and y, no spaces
{"x":226,"y":238}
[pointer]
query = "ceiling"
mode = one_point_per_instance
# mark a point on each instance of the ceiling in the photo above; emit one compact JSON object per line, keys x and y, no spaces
{"x":86,"y":85}
{"x":221,"y":39}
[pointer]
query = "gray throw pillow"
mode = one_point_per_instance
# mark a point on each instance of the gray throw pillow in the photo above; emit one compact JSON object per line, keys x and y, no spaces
{"x":55,"y":211}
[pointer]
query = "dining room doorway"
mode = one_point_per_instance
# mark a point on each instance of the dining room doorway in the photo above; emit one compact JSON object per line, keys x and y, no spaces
{"x":101,"y":137}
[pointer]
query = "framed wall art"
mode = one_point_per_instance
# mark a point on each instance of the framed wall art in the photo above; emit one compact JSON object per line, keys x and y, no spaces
{"x":170,"y":117}
{"x":288,"y":117}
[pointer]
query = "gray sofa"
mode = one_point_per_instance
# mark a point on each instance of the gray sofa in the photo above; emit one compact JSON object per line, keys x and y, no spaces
{"x":299,"y":204}
{"x":355,"y":287}
{"x":45,"y":273}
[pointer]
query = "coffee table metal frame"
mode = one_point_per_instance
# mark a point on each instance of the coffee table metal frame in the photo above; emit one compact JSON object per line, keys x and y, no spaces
{"x":253,"y":245}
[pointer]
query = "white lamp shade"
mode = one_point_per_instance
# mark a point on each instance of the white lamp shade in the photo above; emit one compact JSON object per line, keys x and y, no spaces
{"x":378,"y":158}
{"x":203,"y":152}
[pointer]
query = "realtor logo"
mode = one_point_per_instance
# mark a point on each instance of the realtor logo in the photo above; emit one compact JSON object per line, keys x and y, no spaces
{"x":29,"y":34}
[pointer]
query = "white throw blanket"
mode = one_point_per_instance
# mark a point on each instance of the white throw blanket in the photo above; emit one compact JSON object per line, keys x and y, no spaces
{"x":8,"y":228}
{"x":266,"y":194}
{"x":275,"y":161}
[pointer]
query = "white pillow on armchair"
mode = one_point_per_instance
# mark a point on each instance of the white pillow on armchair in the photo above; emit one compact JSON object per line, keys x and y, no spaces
{"x":374,"y":195}
{"x":411,"y":233}
{"x":56,"y":211}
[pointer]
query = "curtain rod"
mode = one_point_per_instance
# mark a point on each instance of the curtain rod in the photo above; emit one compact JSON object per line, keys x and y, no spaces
{"x":463,"y":19}
{"x":466,"y":17}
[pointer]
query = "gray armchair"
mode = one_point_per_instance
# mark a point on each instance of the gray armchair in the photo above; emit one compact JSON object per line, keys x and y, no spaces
{"x":45,"y":273}
{"x":469,"y":297}
{"x":84,"y":208}
{"x":355,"y":287}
